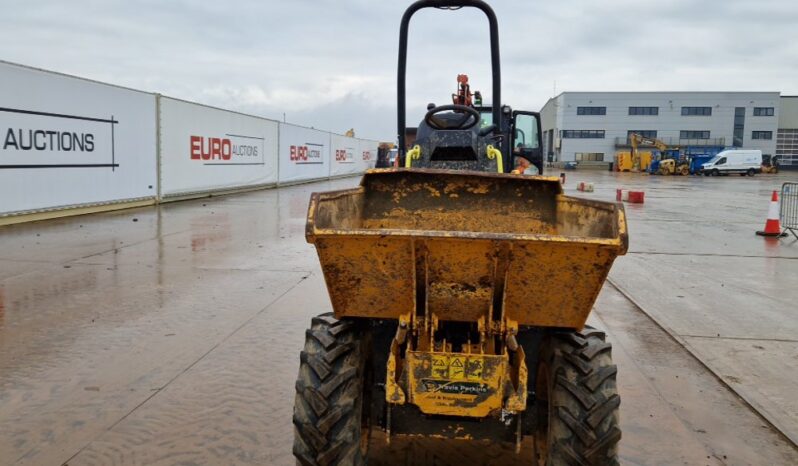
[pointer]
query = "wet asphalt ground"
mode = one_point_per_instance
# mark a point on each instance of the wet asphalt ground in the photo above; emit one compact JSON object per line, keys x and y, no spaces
{"x":170,"y":335}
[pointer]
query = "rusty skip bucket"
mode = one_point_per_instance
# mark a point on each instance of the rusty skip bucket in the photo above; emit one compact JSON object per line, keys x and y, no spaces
{"x":464,"y":245}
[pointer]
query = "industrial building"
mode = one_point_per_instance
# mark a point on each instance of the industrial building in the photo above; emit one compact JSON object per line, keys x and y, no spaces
{"x":592,"y":126}
{"x":787,"y":138}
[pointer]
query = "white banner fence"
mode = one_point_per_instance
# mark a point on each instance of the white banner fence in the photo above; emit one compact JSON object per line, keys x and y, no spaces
{"x":68,"y":142}
{"x":304,"y":154}
{"x":204,"y":149}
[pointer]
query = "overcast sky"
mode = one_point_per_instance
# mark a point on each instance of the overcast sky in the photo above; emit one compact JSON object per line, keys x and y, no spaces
{"x":331,"y":64}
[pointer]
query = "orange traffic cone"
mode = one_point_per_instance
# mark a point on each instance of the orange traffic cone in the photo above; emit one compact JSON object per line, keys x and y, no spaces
{"x":772,"y":224}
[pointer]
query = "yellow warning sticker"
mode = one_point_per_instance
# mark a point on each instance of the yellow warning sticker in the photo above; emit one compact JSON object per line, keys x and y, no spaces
{"x":440,"y":367}
{"x":457,"y":368}
{"x":474,"y":369}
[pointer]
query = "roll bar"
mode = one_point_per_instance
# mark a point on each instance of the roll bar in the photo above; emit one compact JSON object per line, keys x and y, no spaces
{"x":401,"y":100}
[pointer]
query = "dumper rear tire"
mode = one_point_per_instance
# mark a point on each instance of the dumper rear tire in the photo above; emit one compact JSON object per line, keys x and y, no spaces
{"x":577,"y":401}
{"x":330,"y":422}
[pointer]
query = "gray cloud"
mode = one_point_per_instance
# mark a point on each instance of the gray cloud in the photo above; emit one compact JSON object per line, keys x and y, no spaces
{"x":331,"y":63}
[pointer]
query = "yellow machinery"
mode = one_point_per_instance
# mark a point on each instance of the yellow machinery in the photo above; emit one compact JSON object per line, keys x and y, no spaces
{"x":457,"y":290}
{"x":634,"y":141}
{"x":460,"y":293}
{"x":672,"y":167}
{"x":770,"y":164}
{"x":623,"y":160}
{"x":645,"y":159}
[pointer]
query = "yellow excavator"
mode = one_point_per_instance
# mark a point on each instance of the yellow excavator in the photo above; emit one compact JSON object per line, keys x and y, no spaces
{"x":636,"y":140}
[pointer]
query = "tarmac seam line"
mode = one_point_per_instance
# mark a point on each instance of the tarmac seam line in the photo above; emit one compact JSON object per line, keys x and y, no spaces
{"x":32,"y":261}
{"x":713,"y":337}
{"x":739,"y":392}
{"x":100,"y":253}
{"x":648,"y":381}
{"x":742,"y":256}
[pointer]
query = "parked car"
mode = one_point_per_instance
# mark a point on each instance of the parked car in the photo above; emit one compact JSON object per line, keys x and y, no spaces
{"x":742,"y":161}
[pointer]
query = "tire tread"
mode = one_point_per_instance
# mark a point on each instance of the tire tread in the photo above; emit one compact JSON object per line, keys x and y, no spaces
{"x":328,"y":402}
{"x":583,"y":396}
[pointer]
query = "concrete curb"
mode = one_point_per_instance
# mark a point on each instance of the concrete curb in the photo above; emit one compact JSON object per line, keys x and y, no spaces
{"x":739,"y":391}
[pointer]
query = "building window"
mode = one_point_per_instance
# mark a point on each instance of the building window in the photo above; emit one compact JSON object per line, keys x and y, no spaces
{"x":693,"y":134}
{"x":582,"y":134}
{"x":643,"y":110}
{"x":787,"y":147}
{"x":589,"y":156}
{"x":646,"y":133}
{"x":696,"y":111}
{"x":763,"y":111}
{"x":761,"y":134}
{"x":739,"y":127}
{"x":591,"y":110}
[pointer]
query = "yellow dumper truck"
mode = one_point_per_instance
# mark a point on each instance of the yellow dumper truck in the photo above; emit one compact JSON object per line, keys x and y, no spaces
{"x":460,"y":294}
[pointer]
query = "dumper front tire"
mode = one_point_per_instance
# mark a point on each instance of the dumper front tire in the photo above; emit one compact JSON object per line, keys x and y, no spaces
{"x":577,"y":401}
{"x":329,"y":423}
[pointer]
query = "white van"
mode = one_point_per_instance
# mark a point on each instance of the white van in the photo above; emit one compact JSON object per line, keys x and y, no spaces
{"x":744,"y":162}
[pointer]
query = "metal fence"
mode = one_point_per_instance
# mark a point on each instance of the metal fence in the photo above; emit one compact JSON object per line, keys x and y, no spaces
{"x":788,"y":212}
{"x":676,"y":142}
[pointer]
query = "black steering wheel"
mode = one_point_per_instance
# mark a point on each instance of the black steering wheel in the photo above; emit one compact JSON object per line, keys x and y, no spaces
{"x":469,"y":119}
